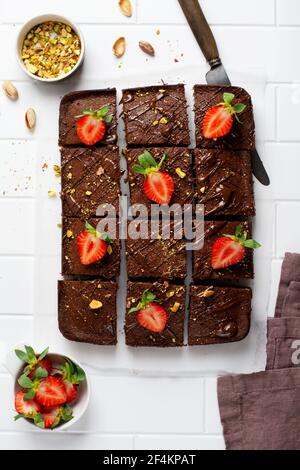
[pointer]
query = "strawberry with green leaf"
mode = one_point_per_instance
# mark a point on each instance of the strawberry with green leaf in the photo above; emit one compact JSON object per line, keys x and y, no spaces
{"x":55,"y":416}
{"x":150,"y":315}
{"x":218,"y":121}
{"x":34,"y":361}
{"x":231,"y":249}
{"x":91,"y":125}
{"x":92,"y":245}
{"x":28,"y":409}
{"x":47,"y":391}
{"x":158,"y":186}
{"x":72,"y":375}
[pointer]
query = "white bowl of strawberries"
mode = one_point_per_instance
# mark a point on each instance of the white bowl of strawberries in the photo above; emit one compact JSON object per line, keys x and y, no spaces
{"x":51,"y":390}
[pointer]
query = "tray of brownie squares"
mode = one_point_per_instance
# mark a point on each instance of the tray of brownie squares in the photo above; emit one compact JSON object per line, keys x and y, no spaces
{"x":123,"y":298}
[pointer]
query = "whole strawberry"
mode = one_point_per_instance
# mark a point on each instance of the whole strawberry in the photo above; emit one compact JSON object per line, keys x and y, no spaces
{"x":231,"y":249}
{"x":218,"y":121}
{"x":150,"y":315}
{"x":91,"y":125}
{"x":158,"y":186}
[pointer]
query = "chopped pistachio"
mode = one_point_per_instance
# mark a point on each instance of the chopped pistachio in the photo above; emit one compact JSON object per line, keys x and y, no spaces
{"x":208,"y":293}
{"x":57,"y":170}
{"x":202,"y":190}
{"x":95,"y":305}
{"x":52,"y":193}
{"x":155,"y":123}
{"x":171,"y":294}
{"x":51,"y":50}
{"x":163,"y":120}
{"x":175,"y":307}
{"x":69,"y":234}
{"x":88,"y":193}
{"x":109,"y":250}
{"x":180,"y":173}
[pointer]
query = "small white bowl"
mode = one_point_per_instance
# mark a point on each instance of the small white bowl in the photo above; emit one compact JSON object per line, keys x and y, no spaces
{"x":15,"y":366}
{"x":35,"y":22}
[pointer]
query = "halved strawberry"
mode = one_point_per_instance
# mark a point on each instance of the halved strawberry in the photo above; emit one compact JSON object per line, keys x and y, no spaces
{"x":218,"y":121}
{"x":231,"y":249}
{"x":92,"y":245}
{"x":150,"y":315}
{"x":72,"y":375}
{"x":91,"y":125}
{"x":158,"y":186}
{"x":54,"y":416}
{"x":34,"y":361}
{"x":72,"y":391}
{"x":44,"y":364}
{"x":153,"y":318}
{"x":51,"y":392}
{"x":26,"y":408}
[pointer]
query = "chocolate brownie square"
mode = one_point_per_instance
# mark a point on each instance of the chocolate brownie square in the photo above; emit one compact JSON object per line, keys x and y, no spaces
{"x":87,"y":311}
{"x":156,"y":115}
{"x":224,"y":182}
{"x":242,"y":135}
{"x":73,"y":104}
{"x":169,"y":297}
{"x":218,"y":315}
{"x":108,"y":267}
{"x":90,"y":178}
{"x":202,"y":268}
{"x":161,"y":255}
{"x":178,"y":165}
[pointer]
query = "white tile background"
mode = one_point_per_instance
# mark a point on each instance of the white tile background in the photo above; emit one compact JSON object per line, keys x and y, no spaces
{"x":127,"y":412}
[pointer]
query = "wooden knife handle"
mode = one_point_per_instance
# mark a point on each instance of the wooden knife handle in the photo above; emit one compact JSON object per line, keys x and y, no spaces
{"x":202,"y":32}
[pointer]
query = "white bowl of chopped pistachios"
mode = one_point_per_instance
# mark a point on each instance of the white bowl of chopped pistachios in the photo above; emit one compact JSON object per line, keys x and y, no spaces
{"x":50,"y":48}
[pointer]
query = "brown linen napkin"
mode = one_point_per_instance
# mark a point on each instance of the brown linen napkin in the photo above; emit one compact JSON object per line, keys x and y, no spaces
{"x":290,"y":272}
{"x":291,"y":303}
{"x":261,"y":411}
{"x":283,"y":346}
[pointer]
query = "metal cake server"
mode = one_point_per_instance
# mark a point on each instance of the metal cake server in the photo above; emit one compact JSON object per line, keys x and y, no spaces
{"x":217,"y":74}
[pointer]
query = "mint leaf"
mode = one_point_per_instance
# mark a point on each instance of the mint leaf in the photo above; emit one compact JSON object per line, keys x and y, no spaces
{"x":25,"y":381}
{"x":22,"y":355}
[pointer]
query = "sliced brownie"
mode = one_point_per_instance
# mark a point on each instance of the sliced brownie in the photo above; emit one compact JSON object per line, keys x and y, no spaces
{"x":202,"y":258}
{"x":177,"y":164}
{"x":73,"y":105}
{"x":160,"y":323}
{"x":108,"y":267}
{"x":90,"y":178}
{"x":242,"y":134}
{"x":224,"y":182}
{"x":219,"y":315}
{"x":87,"y":311}
{"x":156,"y":115}
{"x":159,"y":256}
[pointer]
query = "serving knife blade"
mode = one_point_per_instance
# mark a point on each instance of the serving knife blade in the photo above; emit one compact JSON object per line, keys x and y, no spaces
{"x":217,"y":74}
